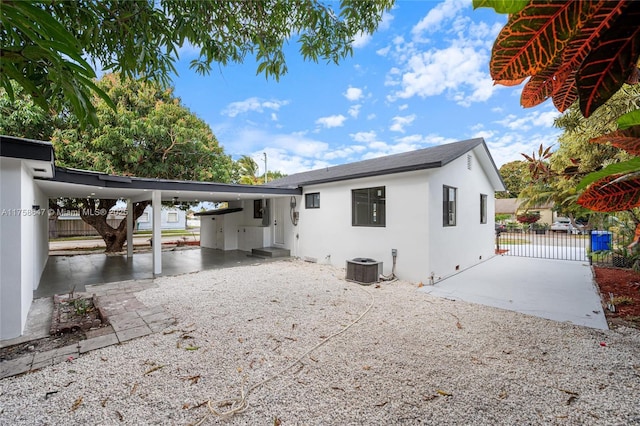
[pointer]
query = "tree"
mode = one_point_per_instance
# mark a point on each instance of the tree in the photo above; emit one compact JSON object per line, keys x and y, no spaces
{"x":248,"y":170}
{"x":580,"y":52}
{"x":45,"y":44}
{"x":515,"y":175}
{"x":22,"y":118}
{"x":150,"y":134}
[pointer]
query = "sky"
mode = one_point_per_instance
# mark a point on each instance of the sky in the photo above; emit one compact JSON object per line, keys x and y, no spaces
{"x":421,"y":80}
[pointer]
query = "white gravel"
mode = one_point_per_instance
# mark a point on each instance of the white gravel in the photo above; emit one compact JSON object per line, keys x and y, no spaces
{"x":413,"y":359}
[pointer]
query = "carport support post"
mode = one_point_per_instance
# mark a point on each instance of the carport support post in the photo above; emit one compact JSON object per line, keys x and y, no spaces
{"x":129,"y":228}
{"x":156,"y":233}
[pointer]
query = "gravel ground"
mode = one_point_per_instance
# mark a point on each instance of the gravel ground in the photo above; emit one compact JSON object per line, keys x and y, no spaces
{"x":412,"y":359}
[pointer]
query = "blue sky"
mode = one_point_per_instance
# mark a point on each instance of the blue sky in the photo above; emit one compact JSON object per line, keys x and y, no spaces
{"x":421,"y":80}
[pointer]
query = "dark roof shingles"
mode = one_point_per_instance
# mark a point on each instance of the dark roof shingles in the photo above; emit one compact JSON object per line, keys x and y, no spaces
{"x":432,"y":157}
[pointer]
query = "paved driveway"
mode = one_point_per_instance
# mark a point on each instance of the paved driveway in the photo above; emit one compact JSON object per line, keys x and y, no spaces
{"x":559,"y":290}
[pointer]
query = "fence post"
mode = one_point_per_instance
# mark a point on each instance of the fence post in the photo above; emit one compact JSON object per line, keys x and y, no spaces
{"x":589,"y":252}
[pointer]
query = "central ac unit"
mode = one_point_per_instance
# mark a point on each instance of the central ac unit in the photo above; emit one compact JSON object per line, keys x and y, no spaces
{"x":364,"y":270}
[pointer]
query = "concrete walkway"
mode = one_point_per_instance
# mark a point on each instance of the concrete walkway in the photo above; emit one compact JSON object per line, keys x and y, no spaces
{"x":128,"y":319}
{"x":554,"y":289}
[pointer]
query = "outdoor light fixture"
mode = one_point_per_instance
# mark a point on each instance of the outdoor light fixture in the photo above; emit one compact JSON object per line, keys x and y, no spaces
{"x":175,"y":199}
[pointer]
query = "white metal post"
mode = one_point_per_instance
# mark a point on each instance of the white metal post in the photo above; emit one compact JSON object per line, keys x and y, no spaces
{"x":156,"y":234}
{"x":129,"y":228}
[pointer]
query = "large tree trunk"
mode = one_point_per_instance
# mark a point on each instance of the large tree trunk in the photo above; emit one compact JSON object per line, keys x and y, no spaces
{"x":95,"y":212}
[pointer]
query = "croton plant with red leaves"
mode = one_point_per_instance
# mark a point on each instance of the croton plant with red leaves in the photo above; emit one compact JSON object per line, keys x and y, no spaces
{"x":576,"y":51}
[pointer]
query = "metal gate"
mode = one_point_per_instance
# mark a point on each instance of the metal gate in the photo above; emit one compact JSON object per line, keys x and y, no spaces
{"x":544,"y":244}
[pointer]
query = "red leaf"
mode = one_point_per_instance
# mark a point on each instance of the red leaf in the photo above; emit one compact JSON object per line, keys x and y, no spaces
{"x":612,"y":61}
{"x":578,"y":49}
{"x":537,"y":90}
{"x":634,"y":77}
{"x":606,"y":195}
{"x":534,"y":38}
{"x":510,"y":82}
{"x":628,"y":139}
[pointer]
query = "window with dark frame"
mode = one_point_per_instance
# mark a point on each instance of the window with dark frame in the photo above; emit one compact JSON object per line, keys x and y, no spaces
{"x":483,"y":208}
{"x":449,"y":195}
{"x":312,"y":200}
{"x":368,"y":207}
{"x":257,"y":209}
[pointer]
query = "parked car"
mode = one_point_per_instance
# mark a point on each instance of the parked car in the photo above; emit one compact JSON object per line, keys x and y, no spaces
{"x":500,"y":228}
{"x":564,"y":225}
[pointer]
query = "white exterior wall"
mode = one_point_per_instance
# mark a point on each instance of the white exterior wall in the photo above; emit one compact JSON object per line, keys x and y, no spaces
{"x":327,"y":236}
{"x":235,"y":231}
{"x":291,"y":231}
{"x":23,"y":245}
{"x":208,"y":230}
{"x":469,"y":242}
{"x":414,"y":223}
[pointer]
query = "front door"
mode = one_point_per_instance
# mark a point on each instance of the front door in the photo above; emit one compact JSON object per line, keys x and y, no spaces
{"x":278,"y":223}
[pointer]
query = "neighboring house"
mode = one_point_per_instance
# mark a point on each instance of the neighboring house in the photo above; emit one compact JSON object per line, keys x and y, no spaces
{"x":172,"y":218}
{"x":69,"y":224}
{"x":433,"y":208}
{"x":512,"y":207}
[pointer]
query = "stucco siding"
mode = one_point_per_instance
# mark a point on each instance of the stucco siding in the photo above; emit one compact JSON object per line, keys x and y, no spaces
{"x":455,"y":248}
{"x":328,"y":236}
{"x":11,"y":292}
{"x":23,"y":246}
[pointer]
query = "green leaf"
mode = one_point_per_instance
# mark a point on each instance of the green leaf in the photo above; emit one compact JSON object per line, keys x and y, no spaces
{"x":632,"y":165}
{"x":501,"y":6}
{"x":629,"y":119}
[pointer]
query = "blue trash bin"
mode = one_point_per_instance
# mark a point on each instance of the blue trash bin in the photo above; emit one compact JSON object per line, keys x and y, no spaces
{"x":600,"y":240}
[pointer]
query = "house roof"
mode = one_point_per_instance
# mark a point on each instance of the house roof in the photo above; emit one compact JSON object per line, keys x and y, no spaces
{"x":38,"y":155}
{"x":67,"y":182}
{"x":507,"y":205}
{"x":512,"y":205}
{"x":427,"y":158}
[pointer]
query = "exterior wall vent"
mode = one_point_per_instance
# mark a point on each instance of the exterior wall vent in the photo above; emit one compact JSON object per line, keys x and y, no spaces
{"x":469,"y":161}
{"x":364,"y":270}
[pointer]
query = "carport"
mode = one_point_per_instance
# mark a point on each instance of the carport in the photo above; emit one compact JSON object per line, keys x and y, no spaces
{"x":72,"y":183}
{"x":560,"y":290}
{"x":30,"y":178}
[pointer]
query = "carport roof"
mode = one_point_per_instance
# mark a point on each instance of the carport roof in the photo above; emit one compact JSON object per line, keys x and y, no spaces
{"x":67,"y":182}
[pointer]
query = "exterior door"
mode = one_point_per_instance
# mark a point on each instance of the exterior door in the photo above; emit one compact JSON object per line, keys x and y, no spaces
{"x":278,"y":222}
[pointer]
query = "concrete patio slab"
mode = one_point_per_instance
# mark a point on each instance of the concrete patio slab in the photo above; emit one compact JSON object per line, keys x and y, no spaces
{"x":558,"y":290}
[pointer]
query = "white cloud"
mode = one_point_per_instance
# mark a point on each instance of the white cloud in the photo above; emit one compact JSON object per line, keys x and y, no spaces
{"x":344,"y":152}
{"x":252,"y":104}
{"x":403,"y":107}
{"x":454,"y":65}
{"x":384,"y":51}
{"x":331,"y":121}
{"x":274,"y":116}
{"x":371,"y":116}
{"x":353,"y":93}
{"x":398,"y":123}
{"x":527,"y":122}
{"x":439,"y":15}
{"x":361,"y":40}
{"x":354,"y":110}
{"x":456,"y":70}
{"x":510,"y":145}
{"x":364,"y":137}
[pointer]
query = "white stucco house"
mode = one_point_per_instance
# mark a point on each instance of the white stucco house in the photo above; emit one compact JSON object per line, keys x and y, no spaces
{"x":431,"y":209}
